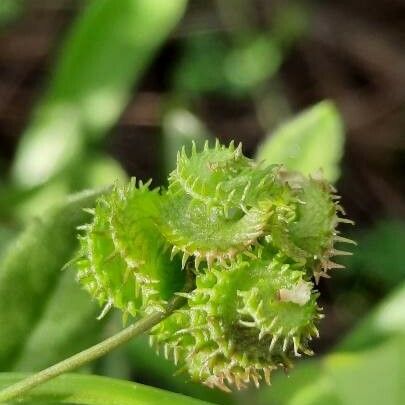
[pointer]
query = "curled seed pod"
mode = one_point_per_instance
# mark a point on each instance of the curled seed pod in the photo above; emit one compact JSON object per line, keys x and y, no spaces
{"x":243,"y":322}
{"x":203,"y":174}
{"x":221,"y":177}
{"x":262,"y":234}
{"x":123,"y":262}
{"x":218,"y":204}
{"x":206,"y":233}
{"x":310,"y":233}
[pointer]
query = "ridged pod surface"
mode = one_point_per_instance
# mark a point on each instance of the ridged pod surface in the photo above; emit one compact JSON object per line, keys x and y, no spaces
{"x":123,"y":262}
{"x":219,"y":203}
{"x":309,"y":235}
{"x":255,"y":239}
{"x":241,"y":323}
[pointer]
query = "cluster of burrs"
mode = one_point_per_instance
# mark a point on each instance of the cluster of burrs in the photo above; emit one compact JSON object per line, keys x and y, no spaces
{"x":252,"y":235}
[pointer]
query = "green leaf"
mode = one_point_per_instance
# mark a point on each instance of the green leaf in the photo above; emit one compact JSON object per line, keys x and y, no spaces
{"x":373,"y":376}
{"x":95,"y":390}
{"x":379,"y":256}
{"x":10,"y":10}
{"x":200,"y":67}
{"x":370,"y":377}
{"x":211,"y":64}
{"x":180,"y":128}
{"x":105,"y":53}
{"x":30,"y":278}
{"x":305,"y":385}
{"x":255,"y":59}
{"x":7,"y":234}
{"x":290,"y":23}
{"x":67,"y":325}
{"x":311,"y":141}
{"x":387,"y":320}
{"x":94,"y":171}
{"x":100,"y":170}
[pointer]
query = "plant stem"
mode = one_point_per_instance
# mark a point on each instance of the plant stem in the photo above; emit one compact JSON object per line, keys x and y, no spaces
{"x":90,"y":354}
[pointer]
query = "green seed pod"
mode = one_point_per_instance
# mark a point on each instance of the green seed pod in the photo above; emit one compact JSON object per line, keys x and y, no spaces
{"x":123,"y":262}
{"x":243,"y":322}
{"x":205,"y":233}
{"x":253,"y":238}
{"x":310,"y":233}
{"x":221,"y":177}
{"x":218,"y":204}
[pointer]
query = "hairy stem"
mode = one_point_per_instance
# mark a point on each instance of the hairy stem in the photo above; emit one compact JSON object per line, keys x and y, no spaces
{"x":90,"y":354}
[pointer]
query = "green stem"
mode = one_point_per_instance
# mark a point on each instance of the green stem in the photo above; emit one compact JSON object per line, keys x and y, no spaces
{"x":88,"y":355}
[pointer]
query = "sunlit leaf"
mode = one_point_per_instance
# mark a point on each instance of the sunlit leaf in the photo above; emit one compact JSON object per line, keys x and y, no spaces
{"x":94,"y":390}
{"x":105,"y":53}
{"x":180,"y":128}
{"x":313,"y":140}
{"x":372,"y":376}
{"x":30,"y":278}
{"x":100,"y":170}
{"x":94,"y":171}
{"x":387,"y":320}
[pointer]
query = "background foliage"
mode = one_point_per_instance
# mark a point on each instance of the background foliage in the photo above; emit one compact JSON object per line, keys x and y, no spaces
{"x":103,"y":89}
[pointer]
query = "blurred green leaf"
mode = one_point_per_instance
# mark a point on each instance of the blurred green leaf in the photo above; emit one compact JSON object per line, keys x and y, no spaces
{"x":251,"y":62}
{"x":67,"y":325}
{"x":305,"y":385}
{"x":180,"y":128}
{"x":30,"y":278}
{"x":200,"y":68}
{"x":368,"y":377}
{"x":291,"y":23}
{"x":387,"y":320}
{"x":40,"y":200}
{"x":105,"y":53}
{"x":11,"y":197}
{"x":7,"y":233}
{"x":210,"y":64}
{"x":95,"y":390}
{"x":378,"y":257}
{"x":98,"y":170}
{"x":94,"y":171}
{"x":312,"y":140}
{"x":10,"y":10}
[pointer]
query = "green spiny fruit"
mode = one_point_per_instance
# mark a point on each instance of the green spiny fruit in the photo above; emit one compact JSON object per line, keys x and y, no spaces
{"x":205,"y":233}
{"x":219,"y":203}
{"x":123,"y":262}
{"x":221,"y":177}
{"x":309,"y":234}
{"x":262,"y":233}
{"x":243,"y":322}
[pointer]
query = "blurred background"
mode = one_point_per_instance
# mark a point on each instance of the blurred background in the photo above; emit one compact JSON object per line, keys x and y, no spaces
{"x":93,"y":91}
